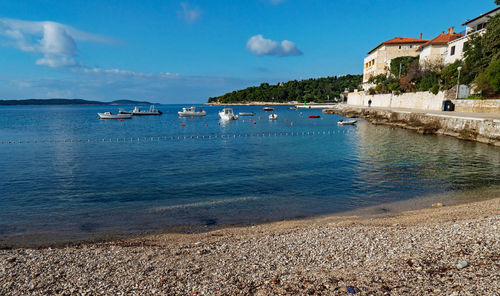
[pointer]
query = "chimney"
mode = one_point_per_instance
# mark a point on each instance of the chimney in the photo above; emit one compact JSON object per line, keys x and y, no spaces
{"x":451,"y":30}
{"x":420,"y":35}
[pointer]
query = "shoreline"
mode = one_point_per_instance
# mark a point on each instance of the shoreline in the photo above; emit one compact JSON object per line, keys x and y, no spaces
{"x":44,"y":240}
{"x":471,"y":127}
{"x":412,"y":253}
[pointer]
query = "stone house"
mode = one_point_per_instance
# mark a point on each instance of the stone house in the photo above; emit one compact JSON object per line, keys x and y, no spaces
{"x":379,"y":59}
{"x":434,"y":51}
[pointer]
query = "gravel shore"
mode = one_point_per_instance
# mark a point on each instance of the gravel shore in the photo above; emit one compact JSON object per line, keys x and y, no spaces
{"x":412,"y":253}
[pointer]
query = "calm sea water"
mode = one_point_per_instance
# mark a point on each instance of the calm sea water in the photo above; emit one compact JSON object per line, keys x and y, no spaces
{"x":152,"y":172}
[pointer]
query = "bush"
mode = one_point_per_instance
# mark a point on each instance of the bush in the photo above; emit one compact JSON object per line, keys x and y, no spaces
{"x":435,"y":89}
{"x":372,"y":91}
{"x":493,"y":75}
{"x":449,"y":75}
{"x":428,"y":82}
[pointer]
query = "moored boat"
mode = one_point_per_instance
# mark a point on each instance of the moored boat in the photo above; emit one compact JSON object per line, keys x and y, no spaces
{"x":246,"y":113}
{"x":138,"y":112}
{"x":109,"y":115}
{"x":314,"y":116}
{"x":347,"y":122}
{"x":273,"y":116}
{"x":192,"y":112}
{"x":227,"y":114}
{"x":268,"y":109}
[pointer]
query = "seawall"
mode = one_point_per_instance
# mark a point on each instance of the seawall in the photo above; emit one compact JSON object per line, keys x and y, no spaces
{"x":423,"y":101}
{"x":484,"y":130}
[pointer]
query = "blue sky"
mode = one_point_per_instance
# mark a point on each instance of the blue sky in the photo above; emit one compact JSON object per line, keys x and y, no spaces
{"x":186,"y":51}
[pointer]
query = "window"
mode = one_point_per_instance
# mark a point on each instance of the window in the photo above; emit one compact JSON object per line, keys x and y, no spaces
{"x":481,"y":26}
{"x":411,"y":45}
{"x":452,"y":51}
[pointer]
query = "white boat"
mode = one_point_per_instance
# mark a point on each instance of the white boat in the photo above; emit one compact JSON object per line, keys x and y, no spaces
{"x":347,"y":122}
{"x":246,"y":114}
{"x":227,"y":114}
{"x":109,"y":115}
{"x":138,"y":112}
{"x":273,"y":116}
{"x":192,"y":112}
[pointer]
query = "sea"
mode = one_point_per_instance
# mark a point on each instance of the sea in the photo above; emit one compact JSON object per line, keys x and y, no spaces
{"x":65,"y":172}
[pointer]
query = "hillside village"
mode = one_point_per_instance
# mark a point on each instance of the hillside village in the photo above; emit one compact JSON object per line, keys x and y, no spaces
{"x":392,"y":58}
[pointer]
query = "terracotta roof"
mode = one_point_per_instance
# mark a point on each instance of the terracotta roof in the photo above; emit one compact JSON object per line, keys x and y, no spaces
{"x":484,"y":14}
{"x":441,"y":39}
{"x":400,"y":40}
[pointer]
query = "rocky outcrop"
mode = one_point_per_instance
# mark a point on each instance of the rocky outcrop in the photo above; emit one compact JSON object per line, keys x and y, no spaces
{"x":466,"y":128}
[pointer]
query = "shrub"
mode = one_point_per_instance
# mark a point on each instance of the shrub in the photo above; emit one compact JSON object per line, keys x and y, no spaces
{"x":493,"y":75}
{"x":372,"y":91}
{"x":435,"y":89}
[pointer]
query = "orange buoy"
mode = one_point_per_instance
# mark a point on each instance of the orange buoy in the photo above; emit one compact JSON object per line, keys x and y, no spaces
{"x":183,"y":124}
{"x":255,"y":122}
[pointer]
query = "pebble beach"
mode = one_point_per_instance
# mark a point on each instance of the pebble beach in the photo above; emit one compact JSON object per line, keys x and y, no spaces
{"x":448,"y":250}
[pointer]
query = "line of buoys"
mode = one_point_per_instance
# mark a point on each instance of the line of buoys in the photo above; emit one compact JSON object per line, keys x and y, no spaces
{"x":172,"y":138}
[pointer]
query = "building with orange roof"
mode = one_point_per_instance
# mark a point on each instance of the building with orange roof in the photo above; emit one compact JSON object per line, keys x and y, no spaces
{"x":434,"y":51}
{"x":379,"y":59}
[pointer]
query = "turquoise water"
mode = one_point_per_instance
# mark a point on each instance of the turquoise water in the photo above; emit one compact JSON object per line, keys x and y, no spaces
{"x":85,"y":175}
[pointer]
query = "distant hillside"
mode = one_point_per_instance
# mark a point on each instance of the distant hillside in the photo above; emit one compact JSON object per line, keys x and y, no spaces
{"x":314,"y":90}
{"x":69,"y":102}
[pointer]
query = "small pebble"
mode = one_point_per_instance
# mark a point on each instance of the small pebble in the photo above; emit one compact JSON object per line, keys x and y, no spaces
{"x":462,"y":264}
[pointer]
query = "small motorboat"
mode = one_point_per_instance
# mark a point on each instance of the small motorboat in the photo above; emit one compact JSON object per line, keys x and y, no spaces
{"x":314,"y":116}
{"x":192,"y":112}
{"x":268,"y":109}
{"x":227,"y":114}
{"x":273,"y":116}
{"x":246,"y":114}
{"x":347,"y":122}
{"x":138,"y":112}
{"x":109,"y":115}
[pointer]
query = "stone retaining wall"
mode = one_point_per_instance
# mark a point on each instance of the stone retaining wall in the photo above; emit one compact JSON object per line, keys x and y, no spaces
{"x":422,"y":101}
{"x":466,"y":128}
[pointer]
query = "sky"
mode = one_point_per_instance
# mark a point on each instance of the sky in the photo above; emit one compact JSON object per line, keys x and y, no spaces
{"x":170,"y":51}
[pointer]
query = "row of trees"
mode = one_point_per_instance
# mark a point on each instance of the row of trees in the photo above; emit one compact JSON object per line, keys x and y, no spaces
{"x":480,"y":68}
{"x":312,"y":90}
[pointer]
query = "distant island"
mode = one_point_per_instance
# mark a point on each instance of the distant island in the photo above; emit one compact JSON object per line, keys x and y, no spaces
{"x":69,"y":102}
{"x":319,"y":90}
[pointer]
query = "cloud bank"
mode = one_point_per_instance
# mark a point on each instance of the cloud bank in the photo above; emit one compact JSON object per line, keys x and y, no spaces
{"x":189,"y":13}
{"x":54,"y":41}
{"x":260,"y":46}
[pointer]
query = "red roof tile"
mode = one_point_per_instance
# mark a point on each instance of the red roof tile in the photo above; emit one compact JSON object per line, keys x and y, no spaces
{"x":400,"y":40}
{"x":441,"y":39}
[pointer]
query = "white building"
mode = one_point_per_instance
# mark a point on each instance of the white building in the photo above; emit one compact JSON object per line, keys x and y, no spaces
{"x":434,"y":51}
{"x":455,"y":50}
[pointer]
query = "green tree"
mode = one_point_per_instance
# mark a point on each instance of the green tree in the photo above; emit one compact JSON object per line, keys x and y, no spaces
{"x":493,"y":75}
{"x":403,"y":64}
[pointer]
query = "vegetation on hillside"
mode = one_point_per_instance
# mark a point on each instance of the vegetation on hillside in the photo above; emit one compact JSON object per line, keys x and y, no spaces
{"x":312,"y":90}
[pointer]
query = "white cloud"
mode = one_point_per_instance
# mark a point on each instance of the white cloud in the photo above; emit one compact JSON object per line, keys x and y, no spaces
{"x":189,"y":13}
{"x":54,"y":41}
{"x":259,"y":46}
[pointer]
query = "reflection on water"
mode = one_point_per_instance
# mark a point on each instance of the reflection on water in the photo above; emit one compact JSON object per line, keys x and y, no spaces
{"x":92,"y":187}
